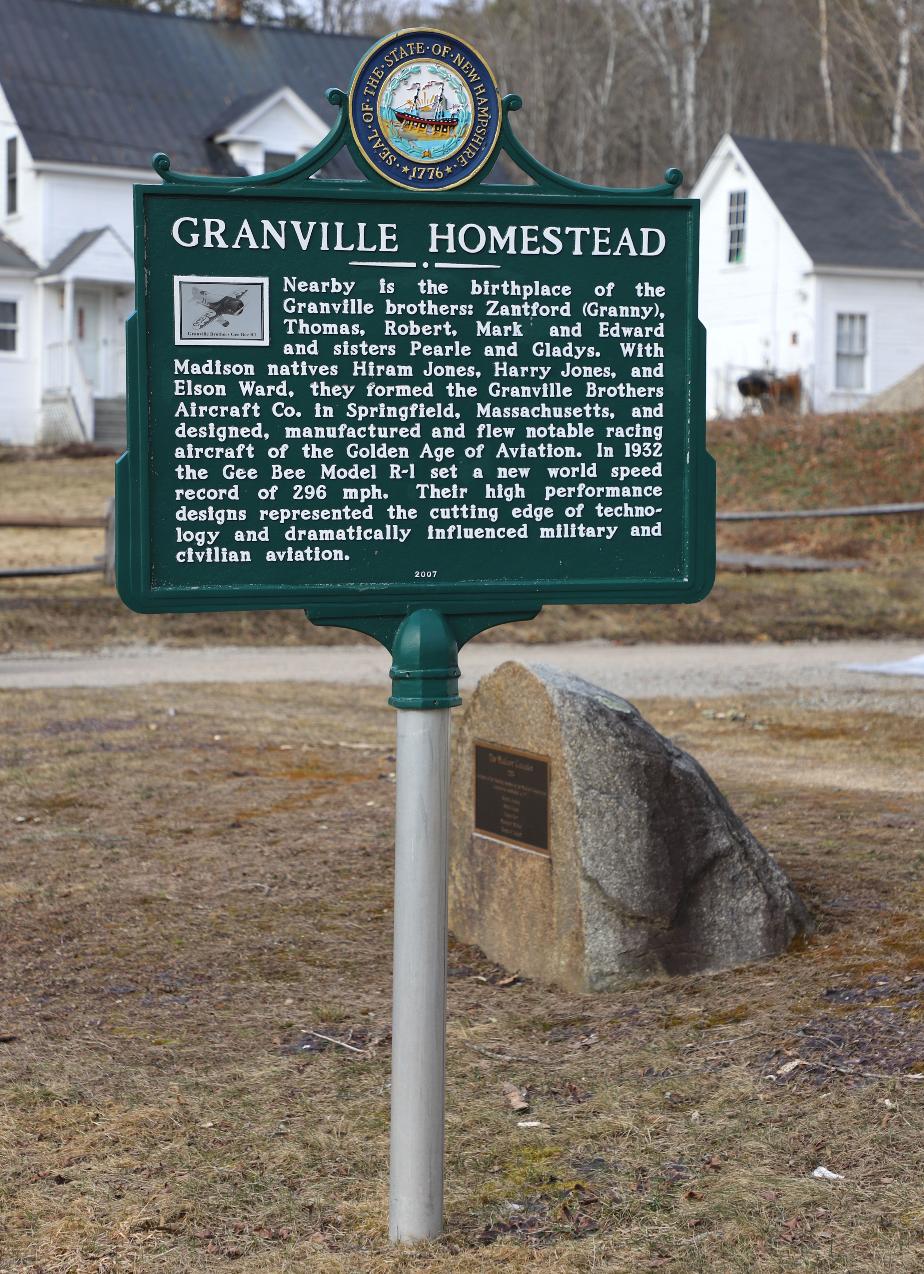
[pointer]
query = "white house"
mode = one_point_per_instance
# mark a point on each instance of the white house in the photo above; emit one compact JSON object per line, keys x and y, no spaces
{"x":87,"y":95}
{"x":811,"y":262}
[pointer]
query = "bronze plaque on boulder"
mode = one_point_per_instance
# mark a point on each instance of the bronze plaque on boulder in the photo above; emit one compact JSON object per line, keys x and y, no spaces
{"x":598,"y":851}
{"x":512,"y":796}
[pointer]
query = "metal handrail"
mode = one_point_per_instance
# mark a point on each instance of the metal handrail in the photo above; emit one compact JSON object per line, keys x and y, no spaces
{"x":82,"y":394}
{"x":61,"y":355}
{"x":53,"y":366}
{"x":851,"y":511}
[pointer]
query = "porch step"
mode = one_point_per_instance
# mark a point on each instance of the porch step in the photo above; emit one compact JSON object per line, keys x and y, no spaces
{"x":109,"y":422}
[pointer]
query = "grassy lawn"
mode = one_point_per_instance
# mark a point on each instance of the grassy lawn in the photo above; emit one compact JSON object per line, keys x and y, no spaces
{"x":763,"y":463}
{"x":196,"y":886}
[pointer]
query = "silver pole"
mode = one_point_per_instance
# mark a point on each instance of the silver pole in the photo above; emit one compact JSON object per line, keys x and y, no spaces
{"x":419,"y":993}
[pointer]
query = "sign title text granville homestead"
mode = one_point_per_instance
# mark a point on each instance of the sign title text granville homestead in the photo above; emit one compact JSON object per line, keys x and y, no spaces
{"x":445,"y":237}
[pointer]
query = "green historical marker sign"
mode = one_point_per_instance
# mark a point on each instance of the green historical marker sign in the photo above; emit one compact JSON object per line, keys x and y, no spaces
{"x":348,"y":394}
{"x":416,"y":405}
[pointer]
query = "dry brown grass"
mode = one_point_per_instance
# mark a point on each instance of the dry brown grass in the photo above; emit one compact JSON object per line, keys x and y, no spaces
{"x":195,"y":877}
{"x":810,"y":462}
{"x":78,"y":614}
{"x":763,"y":463}
{"x":52,"y":487}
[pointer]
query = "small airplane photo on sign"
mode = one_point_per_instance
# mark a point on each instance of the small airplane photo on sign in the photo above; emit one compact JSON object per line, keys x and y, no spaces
{"x":232,"y":305}
{"x":220,"y":311}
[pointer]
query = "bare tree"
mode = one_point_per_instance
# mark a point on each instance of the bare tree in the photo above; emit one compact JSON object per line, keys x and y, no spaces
{"x":676,"y":33}
{"x":824,"y":66}
{"x":881,"y":43}
{"x":881,"y":52}
{"x":615,"y":90}
{"x":904,"y":15}
{"x":604,"y":90}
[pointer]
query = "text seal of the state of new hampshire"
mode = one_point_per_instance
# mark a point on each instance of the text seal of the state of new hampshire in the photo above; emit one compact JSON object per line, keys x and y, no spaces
{"x":424,"y":110}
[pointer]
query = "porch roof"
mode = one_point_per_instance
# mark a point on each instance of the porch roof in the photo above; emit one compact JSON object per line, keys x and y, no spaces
{"x":118,"y":267}
{"x":74,"y":249}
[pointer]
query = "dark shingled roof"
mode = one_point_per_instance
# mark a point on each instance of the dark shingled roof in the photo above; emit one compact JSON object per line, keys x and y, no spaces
{"x":95,"y":85}
{"x":13,"y":258}
{"x":845,"y":207}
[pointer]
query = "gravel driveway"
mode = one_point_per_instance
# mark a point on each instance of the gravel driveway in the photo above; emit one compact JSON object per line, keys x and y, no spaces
{"x":819,"y":673}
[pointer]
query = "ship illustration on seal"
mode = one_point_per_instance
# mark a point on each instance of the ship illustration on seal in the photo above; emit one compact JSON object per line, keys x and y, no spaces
{"x":430,"y":114}
{"x":425,"y":111}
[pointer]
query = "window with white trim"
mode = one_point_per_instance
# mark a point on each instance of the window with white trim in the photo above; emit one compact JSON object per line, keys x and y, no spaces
{"x":9,"y":326}
{"x":12,"y":176}
{"x":737,"y":225}
{"x":850,"y":352}
{"x":273,"y":160}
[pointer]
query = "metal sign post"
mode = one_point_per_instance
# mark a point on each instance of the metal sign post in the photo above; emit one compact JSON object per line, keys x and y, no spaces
{"x":418,"y":1024}
{"x":415,"y":405}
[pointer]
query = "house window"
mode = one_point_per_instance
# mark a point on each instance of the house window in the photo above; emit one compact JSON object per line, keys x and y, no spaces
{"x":9,"y":326}
{"x":737,"y":216}
{"x":275,"y":159}
{"x":12,"y":175}
{"x":850,"y":357}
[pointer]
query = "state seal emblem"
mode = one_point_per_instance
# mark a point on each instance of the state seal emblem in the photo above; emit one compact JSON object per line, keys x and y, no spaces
{"x":424,"y":110}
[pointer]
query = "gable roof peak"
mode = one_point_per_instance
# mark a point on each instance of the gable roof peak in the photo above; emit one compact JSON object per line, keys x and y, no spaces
{"x":81,"y":243}
{"x":847,"y":207}
{"x":243,"y":111}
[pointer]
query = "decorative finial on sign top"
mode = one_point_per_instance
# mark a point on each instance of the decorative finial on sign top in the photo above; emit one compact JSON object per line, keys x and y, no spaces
{"x":161,"y":163}
{"x":674,"y":177}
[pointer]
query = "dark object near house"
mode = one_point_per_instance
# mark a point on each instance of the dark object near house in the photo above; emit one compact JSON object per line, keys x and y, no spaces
{"x":774,"y":393}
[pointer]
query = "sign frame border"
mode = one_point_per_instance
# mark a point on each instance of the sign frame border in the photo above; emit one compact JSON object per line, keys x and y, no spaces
{"x":467,"y":597}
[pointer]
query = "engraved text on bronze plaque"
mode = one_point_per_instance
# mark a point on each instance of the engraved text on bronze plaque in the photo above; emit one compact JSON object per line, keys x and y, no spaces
{"x":512,"y":796}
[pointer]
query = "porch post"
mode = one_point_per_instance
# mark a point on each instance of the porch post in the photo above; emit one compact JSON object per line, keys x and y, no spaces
{"x":68,"y":330}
